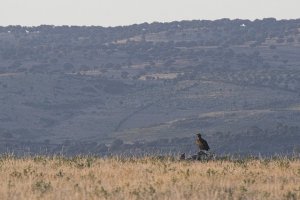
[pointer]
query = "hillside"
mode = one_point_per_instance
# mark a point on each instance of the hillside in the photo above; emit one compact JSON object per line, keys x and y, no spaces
{"x":151,"y":87}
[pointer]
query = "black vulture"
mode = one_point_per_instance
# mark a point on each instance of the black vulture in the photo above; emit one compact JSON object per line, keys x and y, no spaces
{"x":202,"y":144}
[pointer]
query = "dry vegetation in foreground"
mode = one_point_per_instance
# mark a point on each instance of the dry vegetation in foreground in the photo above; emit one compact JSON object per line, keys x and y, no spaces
{"x":147,"y":178}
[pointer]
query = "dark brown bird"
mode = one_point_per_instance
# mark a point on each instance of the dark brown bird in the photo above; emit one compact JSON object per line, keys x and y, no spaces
{"x":202,"y":144}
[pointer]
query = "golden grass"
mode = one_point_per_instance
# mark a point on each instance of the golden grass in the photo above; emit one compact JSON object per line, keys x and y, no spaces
{"x":147,"y":178}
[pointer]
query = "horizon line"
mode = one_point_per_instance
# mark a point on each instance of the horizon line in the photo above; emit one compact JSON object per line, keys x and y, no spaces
{"x":146,"y":22}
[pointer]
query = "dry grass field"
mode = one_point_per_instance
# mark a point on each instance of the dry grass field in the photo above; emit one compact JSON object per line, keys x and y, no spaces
{"x":147,"y":178}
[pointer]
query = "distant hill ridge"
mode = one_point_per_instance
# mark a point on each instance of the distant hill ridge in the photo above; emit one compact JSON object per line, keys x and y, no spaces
{"x":151,"y":82}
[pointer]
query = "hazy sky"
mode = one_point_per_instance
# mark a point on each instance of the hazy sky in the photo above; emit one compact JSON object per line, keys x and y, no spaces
{"x":124,"y":12}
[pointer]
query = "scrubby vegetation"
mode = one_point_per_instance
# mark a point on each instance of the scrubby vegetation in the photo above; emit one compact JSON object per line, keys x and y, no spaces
{"x":148,"y":178}
{"x":81,"y":90}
